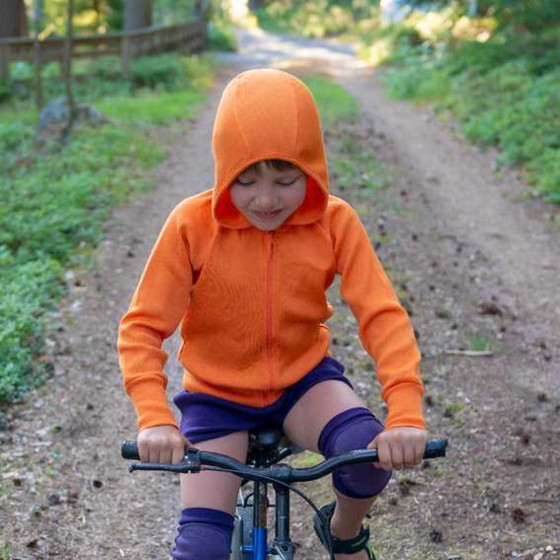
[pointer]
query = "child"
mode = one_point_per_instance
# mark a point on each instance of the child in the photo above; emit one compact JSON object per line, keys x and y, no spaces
{"x":244,"y":268}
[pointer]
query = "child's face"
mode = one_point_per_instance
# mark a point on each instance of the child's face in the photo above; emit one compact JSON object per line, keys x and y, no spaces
{"x":268,"y":197}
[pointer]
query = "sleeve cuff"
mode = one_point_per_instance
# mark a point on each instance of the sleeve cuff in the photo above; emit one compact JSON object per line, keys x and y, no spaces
{"x":404,"y":404}
{"x":152,"y":407}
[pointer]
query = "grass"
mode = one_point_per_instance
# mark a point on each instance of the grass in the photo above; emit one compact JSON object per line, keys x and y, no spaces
{"x":479,"y":342}
{"x":352,"y":166}
{"x":57,"y":198}
{"x":334,"y":102}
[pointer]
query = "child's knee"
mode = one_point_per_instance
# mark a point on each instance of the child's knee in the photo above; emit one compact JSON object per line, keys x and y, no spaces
{"x":348,"y":431}
{"x":203,"y":534}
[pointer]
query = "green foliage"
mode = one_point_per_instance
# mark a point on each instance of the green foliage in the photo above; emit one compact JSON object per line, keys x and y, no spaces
{"x":103,"y":78}
{"x":29,"y":290}
{"x":55,"y":202}
{"x":165,"y":72}
{"x":221,"y":37}
{"x":521,"y":15}
{"x":333,"y":100}
{"x":108,"y":15}
{"x":505,"y":95}
{"x":153,"y":108}
{"x":5,"y":90}
{"x":322,"y":18}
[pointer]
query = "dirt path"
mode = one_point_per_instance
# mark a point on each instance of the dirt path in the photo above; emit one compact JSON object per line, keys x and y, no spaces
{"x":468,"y":256}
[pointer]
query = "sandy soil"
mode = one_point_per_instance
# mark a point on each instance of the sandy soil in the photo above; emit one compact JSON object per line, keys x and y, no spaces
{"x":470,"y":255}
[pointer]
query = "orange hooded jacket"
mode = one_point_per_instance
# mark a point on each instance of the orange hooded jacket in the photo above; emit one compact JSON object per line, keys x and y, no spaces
{"x":252,"y":304}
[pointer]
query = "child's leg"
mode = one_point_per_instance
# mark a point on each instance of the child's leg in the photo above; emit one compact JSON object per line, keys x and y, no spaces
{"x":208,"y":500}
{"x":330,"y":418}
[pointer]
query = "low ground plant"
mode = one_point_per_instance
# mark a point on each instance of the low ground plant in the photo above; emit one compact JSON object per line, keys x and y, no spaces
{"x":56,"y":198}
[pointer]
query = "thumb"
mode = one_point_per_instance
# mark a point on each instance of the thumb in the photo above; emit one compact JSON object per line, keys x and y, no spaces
{"x":178,"y":452}
{"x":373,"y":443}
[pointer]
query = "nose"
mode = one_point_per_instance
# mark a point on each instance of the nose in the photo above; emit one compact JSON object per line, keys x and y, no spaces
{"x":265,"y":197}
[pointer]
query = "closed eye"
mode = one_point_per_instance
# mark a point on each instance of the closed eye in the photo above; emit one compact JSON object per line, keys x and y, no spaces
{"x":287,"y":182}
{"x":244,"y":183}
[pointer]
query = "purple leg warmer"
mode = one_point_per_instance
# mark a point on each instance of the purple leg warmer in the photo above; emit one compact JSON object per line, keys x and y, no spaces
{"x":348,"y":431}
{"x":204,"y":534}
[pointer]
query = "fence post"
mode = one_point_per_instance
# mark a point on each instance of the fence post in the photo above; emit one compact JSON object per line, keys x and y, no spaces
{"x":125,"y":55}
{"x":5,"y":62}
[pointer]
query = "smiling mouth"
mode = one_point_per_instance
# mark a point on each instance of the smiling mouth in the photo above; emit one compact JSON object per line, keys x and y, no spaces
{"x":267,"y":215}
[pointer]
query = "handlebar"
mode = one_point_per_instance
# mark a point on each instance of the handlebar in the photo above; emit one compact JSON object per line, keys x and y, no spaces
{"x":195,"y":459}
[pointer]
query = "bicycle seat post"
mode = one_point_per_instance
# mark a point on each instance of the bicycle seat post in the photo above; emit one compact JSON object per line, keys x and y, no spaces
{"x":264,"y":448}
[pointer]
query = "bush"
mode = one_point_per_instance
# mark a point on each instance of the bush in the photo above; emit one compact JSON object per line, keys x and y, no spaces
{"x":504,"y":95}
{"x":221,"y":37}
{"x":5,"y":90}
{"x":165,"y":72}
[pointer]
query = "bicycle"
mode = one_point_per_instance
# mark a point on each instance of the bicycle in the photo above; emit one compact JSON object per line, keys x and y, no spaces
{"x":266,"y":450}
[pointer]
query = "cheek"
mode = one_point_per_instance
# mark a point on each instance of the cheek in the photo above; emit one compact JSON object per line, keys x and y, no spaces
{"x":238,"y":196}
{"x":297,"y":196}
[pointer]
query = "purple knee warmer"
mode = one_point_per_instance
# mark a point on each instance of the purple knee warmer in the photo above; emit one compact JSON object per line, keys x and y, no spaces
{"x":203,"y":534}
{"x":348,"y":431}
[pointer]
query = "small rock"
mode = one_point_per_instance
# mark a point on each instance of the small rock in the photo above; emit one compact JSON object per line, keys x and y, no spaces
{"x":436,"y":536}
{"x":54,"y":499}
{"x":519,"y":515}
{"x":495,"y":508}
{"x":489,"y":308}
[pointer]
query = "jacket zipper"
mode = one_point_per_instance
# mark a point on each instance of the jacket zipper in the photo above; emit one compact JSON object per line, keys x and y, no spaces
{"x":269,"y":311}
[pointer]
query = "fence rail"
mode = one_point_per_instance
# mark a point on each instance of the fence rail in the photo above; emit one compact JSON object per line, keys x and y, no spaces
{"x":189,"y":36}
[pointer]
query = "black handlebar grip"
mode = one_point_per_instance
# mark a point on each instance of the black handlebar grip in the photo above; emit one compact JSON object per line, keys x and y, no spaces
{"x":435,"y":448}
{"x":129,"y":450}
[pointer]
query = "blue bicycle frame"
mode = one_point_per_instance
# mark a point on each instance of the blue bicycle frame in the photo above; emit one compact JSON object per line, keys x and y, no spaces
{"x":282,"y":546}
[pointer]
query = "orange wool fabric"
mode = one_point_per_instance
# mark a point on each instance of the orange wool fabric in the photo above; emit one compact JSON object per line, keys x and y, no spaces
{"x":251,"y":304}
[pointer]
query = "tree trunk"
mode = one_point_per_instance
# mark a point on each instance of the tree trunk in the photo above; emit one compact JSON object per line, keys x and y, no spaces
{"x":137,"y":14}
{"x":38,"y":21}
{"x":12,"y":18}
{"x":68,"y":64}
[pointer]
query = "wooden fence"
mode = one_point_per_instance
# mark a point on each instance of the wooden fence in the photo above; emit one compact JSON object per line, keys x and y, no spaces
{"x":190,"y":37}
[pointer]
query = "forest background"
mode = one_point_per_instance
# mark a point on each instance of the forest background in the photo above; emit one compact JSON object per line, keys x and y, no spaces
{"x":491,"y":65}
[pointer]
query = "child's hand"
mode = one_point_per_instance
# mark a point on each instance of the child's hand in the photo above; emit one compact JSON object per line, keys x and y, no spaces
{"x":399,"y":448}
{"x":161,"y":444}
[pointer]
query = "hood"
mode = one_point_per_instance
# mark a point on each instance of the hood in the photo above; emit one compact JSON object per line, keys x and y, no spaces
{"x":268,"y":114}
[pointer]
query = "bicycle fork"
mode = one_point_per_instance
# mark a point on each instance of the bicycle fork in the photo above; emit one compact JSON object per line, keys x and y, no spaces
{"x":282,"y":547}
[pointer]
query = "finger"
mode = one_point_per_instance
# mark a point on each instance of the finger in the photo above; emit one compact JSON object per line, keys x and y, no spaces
{"x":143,"y":452}
{"x":165,"y":455}
{"x":153,"y":454}
{"x":409,"y":455}
{"x":384,"y":454}
{"x":178,"y":453}
{"x":419,"y":450}
{"x":397,"y":457}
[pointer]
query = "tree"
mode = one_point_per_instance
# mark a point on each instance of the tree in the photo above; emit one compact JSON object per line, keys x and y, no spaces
{"x":68,"y":64}
{"x":137,"y":14}
{"x":530,"y":15}
{"x":38,"y":6}
{"x":13,"y":22}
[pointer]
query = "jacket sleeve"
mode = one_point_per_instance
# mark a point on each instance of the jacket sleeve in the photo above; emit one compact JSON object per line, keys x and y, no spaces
{"x":156,"y":309}
{"x":385,"y":329}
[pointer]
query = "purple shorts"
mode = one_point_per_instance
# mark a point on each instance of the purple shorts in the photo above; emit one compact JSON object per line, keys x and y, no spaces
{"x":206,"y":417}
